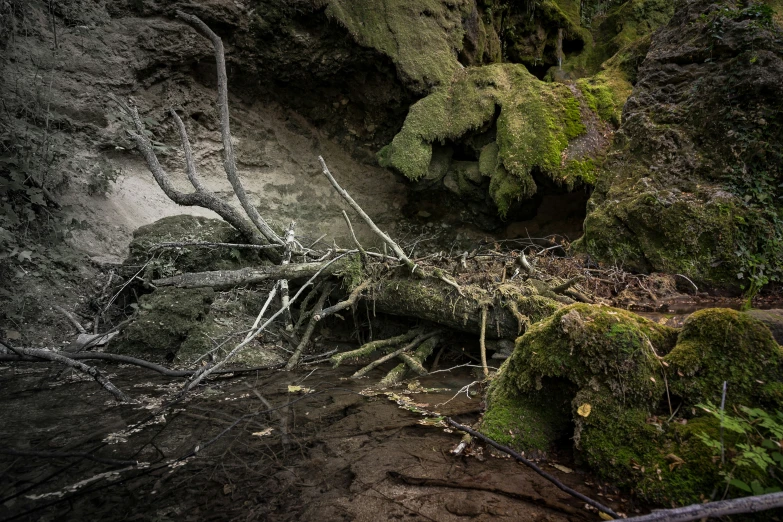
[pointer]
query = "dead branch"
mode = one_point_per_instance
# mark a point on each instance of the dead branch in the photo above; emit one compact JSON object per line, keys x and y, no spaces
{"x":327,"y":289}
{"x":76,"y":365}
{"x":373,"y":346}
{"x":342,"y":305}
{"x":71,"y":318}
{"x":229,"y":164}
{"x":413,"y":344}
{"x":416,"y":361}
{"x":482,"y":340}
{"x":289,"y":246}
{"x":304,"y":313}
{"x":534,"y":467}
{"x":221,"y":279}
{"x":353,"y":235}
{"x":559,"y":289}
{"x":721,"y":508}
{"x":205,"y":244}
{"x":190,"y":167}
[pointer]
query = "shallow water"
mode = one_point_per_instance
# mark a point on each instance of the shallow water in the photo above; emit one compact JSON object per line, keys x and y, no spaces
{"x":333,"y":454}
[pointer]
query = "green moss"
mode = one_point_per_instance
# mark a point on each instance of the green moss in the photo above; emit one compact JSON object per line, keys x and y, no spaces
{"x":605,"y":93}
{"x":647,"y":229}
{"x":184,"y":228}
{"x":535,"y":124}
{"x":164,"y":321}
{"x":578,"y":172}
{"x":718,"y":345}
{"x":420,"y":36}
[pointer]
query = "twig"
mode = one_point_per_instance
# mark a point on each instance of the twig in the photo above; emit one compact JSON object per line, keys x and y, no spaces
{"x":289,"y":245}
{"x":353,"y":235}
{"x":371,"y":347}
{"x":269,"y":298}
{"x":568,"y":284}
{"x":327,"y":289}
{"x":534,"y":467}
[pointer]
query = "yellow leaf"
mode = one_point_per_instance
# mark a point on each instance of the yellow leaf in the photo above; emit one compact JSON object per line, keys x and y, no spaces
{"x":294,"y":389}
{"x":263,"y":433}
{"x":604,"y":516}
{"x":562,"y":468}
{"x":584,"y":410}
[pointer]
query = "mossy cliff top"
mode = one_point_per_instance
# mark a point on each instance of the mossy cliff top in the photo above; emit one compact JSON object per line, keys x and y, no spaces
{"x":611,"y":381}
{"x":536,"y":120}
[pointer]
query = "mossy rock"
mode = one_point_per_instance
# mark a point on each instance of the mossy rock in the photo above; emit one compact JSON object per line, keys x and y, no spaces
{"x":535,"y":123}
{"x":165,"y":319}
{"x":720,"y":344}
{"x":421,"y":37}
{"x":614,"y":361}
{"x":582,"y":347}
{"x":187,"y":228}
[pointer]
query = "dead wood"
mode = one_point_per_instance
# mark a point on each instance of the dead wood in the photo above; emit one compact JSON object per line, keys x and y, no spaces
{"x":93,"y":372}
{"x":721,"y":508}
{"x":342,"y":305}
{"x":410,"y":346}
{"x":373,"y":346}
{"x":223,"y":279}
{"x":413,"y":361}
{"x":327,"y":289}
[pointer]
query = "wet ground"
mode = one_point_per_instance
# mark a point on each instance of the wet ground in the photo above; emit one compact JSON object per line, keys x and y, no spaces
{"x":330,"y":451}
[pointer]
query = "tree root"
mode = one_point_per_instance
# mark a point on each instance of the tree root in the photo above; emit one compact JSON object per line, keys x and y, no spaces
{"x":414,"y":362}
{"x":410,"y":346}
{"x":372,"y":347}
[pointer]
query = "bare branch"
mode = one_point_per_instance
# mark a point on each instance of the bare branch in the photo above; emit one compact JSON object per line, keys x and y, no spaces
{"x":310,"y":327}
{"x":342,"y":305}
{"x":246,"y":276}
{"x":229,"y":163}
{"x":190,"y":167}
{"x":721,"y":508}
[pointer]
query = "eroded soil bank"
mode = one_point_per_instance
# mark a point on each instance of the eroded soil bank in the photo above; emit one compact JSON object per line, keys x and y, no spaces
{"x":334,"y":454}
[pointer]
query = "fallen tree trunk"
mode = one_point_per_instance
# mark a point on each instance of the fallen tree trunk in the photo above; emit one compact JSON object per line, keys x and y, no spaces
{"x":223,"y":279}
{"x":437,"y":301}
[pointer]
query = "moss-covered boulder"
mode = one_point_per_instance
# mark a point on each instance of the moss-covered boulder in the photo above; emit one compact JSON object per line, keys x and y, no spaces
{"x":164,"y":321}
{"x":183,"y":325}
{"x":719,"y":344}
{"x":611,"y":381}
{"x":695,"y":186}
{"x":188,"y":229}
{"x":534,"y":123}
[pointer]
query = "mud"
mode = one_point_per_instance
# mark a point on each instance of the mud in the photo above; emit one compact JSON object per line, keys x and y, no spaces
{"x":333,"y":454}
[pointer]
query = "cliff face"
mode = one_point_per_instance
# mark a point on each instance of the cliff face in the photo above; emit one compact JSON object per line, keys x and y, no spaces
{"x":696,"y":185}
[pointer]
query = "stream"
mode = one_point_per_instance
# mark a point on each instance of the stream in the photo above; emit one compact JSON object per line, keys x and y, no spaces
{"x":330,"y":451}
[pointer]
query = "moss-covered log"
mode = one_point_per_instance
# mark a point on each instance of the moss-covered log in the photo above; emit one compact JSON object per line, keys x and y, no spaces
{"x":436,"y":301}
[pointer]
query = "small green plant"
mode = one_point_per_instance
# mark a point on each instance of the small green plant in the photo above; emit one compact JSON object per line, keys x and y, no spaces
{"x":756,"y":453}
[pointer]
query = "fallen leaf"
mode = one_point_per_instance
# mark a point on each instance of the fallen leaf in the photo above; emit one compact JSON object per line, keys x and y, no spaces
{"x":675,"y":461}
{"x":228,"y":489}
{"x":652,"y":379}
{"x":263,"y":433}
{"x":604,"y":516}
{"x":562,"y":468}
{"x":299,"y":389}
{"x":584,"y":410}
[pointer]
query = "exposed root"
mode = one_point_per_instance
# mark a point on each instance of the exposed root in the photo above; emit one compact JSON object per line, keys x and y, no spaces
{"x":373,"y":346}
{"x":310,"y":327}
{"x":414,"y":361}
{"x":410,"y":346}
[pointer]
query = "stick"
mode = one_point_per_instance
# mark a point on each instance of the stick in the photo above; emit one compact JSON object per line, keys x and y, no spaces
{"x":76,"y":365}
{"x":310,"y":327}
{"x":342,"y":305}
{"x":205,"y":244}
{"x":720,"y":508}
{"x":271,"y":296}
{"x":523,"y":460}
{"x":413,"y":344}
{"x":568,"y":284}
{"x":219,"y":279}
{"x":190,"y":167}
{"x":71,"y":318}
{"x":347,"y":197}
{"x":482,"y":340}
{"x":289,"y":244}
{"x":371,"y":347}
{"x":353,"y":235}
{"x":230,"y":163}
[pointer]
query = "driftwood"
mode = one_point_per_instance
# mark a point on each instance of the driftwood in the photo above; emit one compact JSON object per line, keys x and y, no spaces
{"x":720,"y":508}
